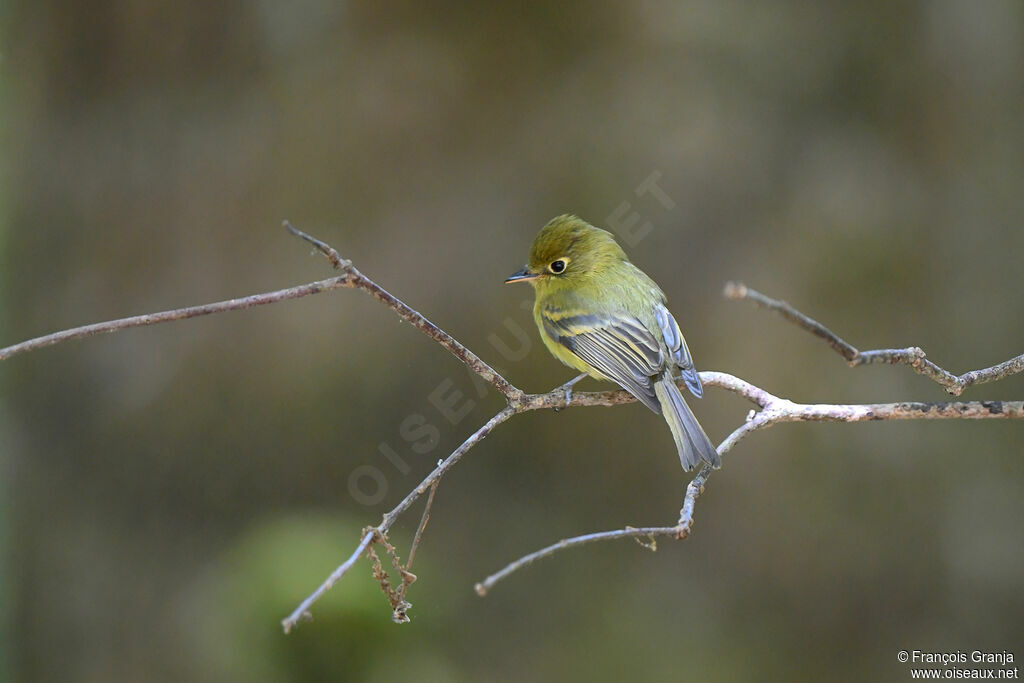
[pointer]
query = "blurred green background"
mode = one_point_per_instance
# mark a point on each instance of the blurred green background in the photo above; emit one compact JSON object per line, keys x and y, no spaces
{"x":170,"y":493}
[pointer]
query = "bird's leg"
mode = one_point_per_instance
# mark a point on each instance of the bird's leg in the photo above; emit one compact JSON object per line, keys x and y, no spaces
{"x":568,"y":388}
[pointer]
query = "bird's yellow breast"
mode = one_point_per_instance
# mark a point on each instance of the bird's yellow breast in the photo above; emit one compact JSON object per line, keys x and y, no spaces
{"x":558,"y":350}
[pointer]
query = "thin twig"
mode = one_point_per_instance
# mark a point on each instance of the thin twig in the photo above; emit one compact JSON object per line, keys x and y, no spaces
{"x":442,"y":468}
{"x":401,"y":605}
{"x":773,"y":410}
{"x":359,"y":281}
{"x":389,"y":518}
{"x":302,"y":613}
{"x":423,"y":524}
{"x":351,"y":278}
{"x":912,"y":356}
{"x":327,"y":250}
{"x":483,"y":587}
{"x":176,"y":314}
{"x":737,"y":290}
{"x":678,"y":532}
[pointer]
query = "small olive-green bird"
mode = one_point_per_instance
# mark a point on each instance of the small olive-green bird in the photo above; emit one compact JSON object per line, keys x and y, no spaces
{"x":600,"y":314}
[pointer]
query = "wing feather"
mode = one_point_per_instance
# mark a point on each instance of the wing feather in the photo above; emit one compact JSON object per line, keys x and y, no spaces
{"x":676,"y":344}
{"x":617,"y":345}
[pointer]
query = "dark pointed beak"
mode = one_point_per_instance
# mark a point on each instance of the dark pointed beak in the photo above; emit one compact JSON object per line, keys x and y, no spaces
{"x":524,"y":275}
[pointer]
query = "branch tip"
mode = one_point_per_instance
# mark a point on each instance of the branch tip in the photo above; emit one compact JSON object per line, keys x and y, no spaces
{"x":327,"y":250}
{"x":734,"y":290}
{"x":912,"y":356}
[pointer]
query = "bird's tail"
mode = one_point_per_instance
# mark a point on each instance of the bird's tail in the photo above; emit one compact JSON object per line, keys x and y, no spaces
{"x":690,"y":438}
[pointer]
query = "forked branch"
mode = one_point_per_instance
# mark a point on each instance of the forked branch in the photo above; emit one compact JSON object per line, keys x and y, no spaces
{"x":770,"y":410}
{"x":912,"y":356}
{"x":773,"y":410}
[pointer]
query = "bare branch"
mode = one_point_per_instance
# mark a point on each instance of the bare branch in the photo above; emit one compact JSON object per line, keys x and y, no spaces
{"x":423,"y":524}
{"x":737,"y":290}
{"x":360,"y":281}
{"x":443,"y":467}
{"x":774,"y":410}
{"x":912,"y":356}
{"x":381,"y":530}
{"x":771,"y":410}
{"x":351,"y":278}
{"x":302,"y":612}
{"x":678,"y":532}
{"x":483,"y":587}
{"x":176,"y":314}
{"x":402,"y":605}
{"x":327,"y":250}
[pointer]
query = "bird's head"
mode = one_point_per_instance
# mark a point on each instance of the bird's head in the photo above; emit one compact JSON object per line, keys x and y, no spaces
{"x":568,"y":251}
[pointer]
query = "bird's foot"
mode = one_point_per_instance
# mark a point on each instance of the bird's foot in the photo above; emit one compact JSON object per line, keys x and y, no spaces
{"x":568,"y":388}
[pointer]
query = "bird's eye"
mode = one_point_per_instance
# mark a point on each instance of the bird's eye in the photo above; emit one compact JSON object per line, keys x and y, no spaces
{"x":557,"y":266}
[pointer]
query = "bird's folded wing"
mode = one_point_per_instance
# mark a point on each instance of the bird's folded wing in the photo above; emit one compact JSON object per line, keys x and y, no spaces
{"x":676,"y":344}
{"x":615,"y":344}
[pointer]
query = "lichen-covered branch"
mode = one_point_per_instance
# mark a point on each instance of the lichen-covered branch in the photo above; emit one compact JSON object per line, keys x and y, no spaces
{"x":912,"y":356}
